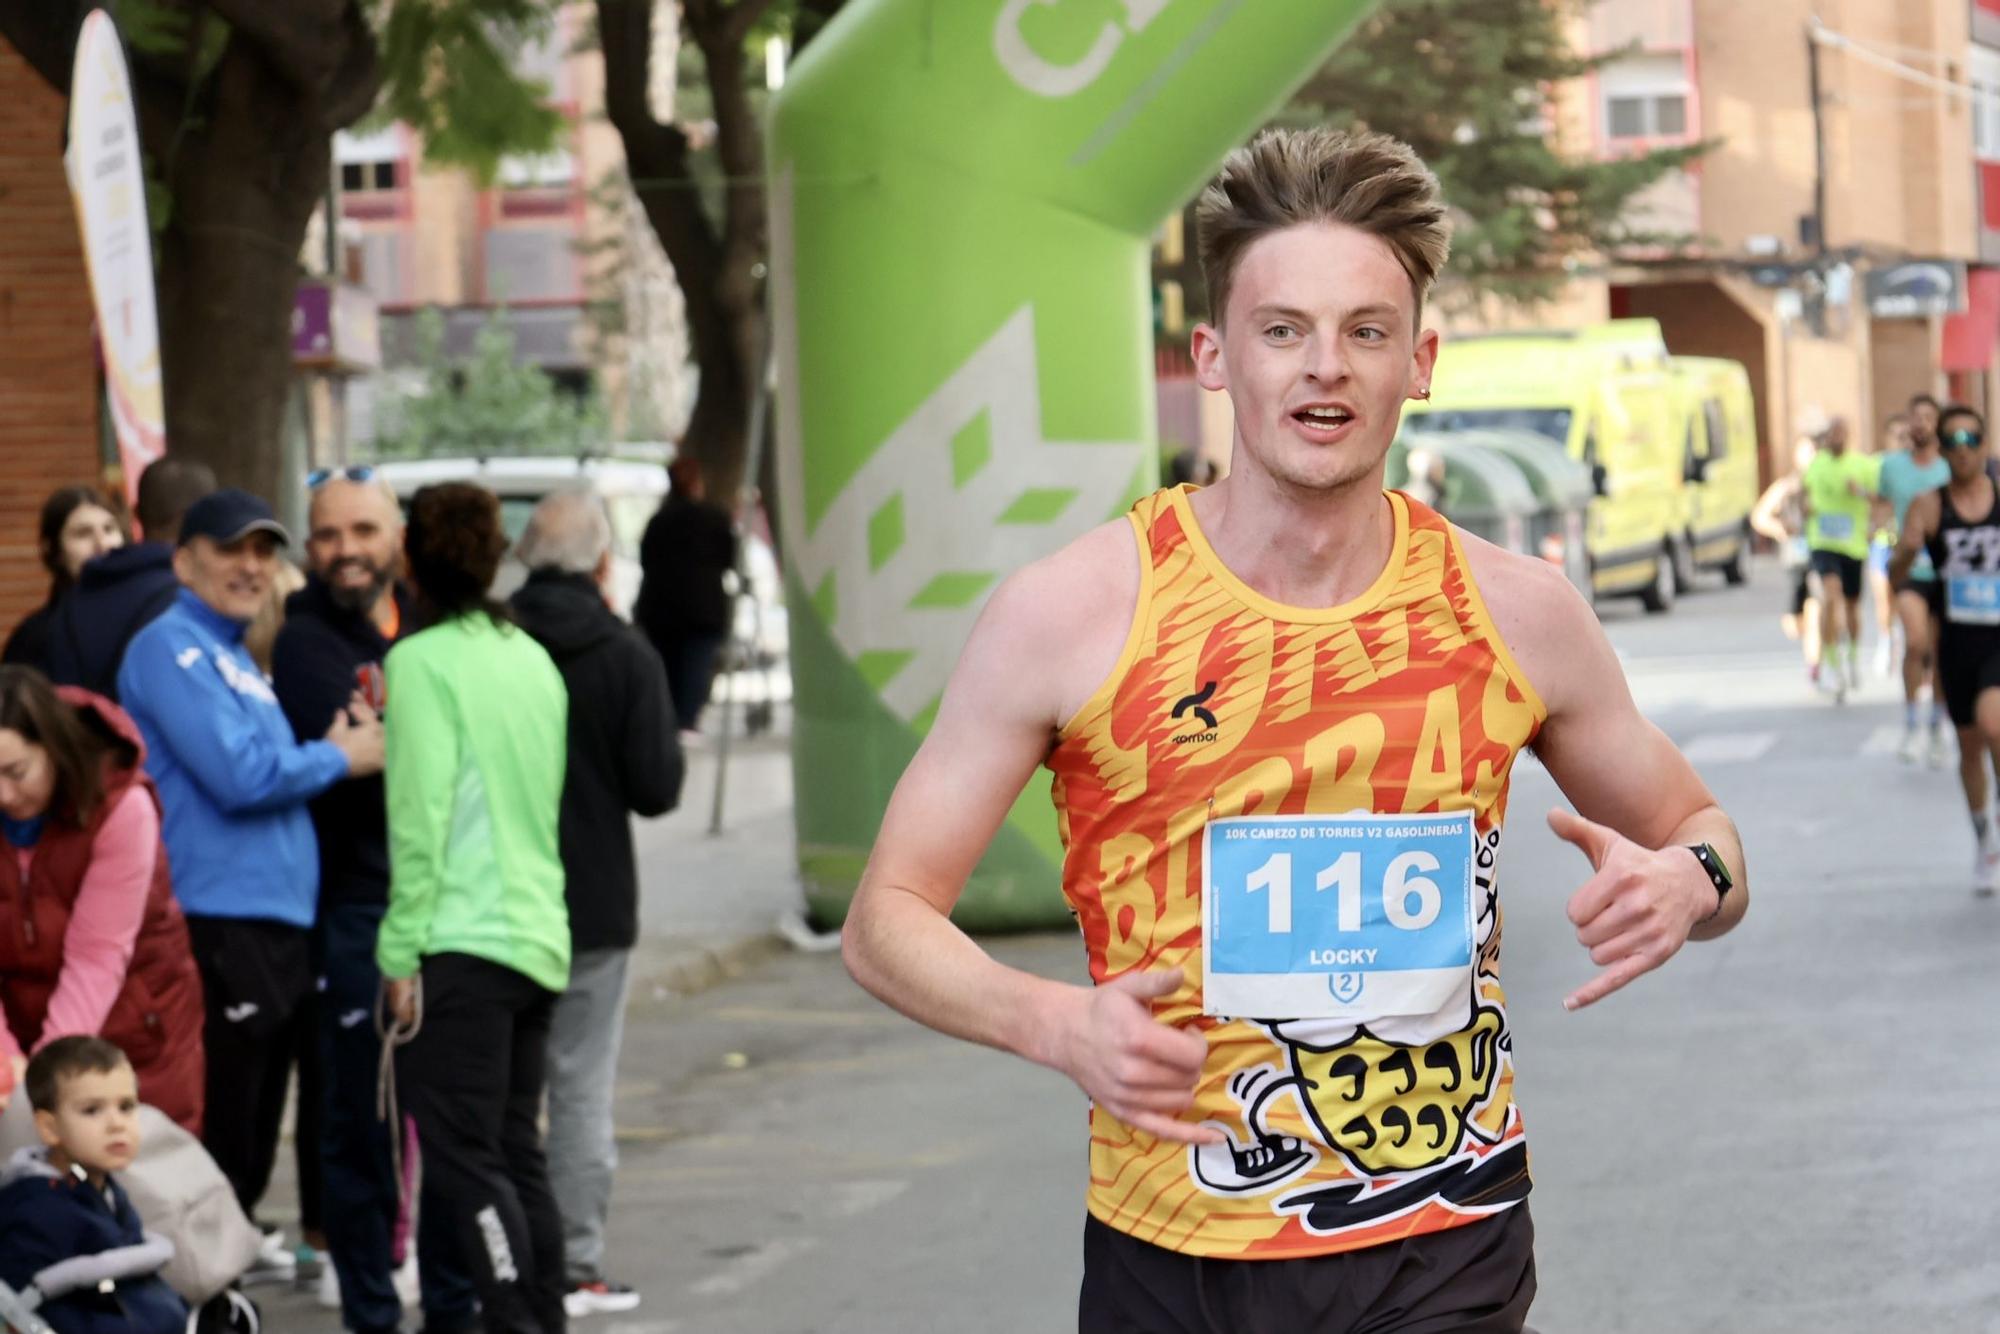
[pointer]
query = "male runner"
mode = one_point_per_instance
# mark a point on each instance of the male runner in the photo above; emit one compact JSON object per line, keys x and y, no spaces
{"x":1839,"y":484}
{"x":1249,"y":694}
{"x":1895,"y":439}
{"x":1959,"y":528}
{"x":1906,"y":474}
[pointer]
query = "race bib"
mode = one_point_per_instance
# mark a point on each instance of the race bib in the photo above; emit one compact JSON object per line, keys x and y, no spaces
{"x":1351,"y":917}
{"x":1836,"y":527}
{"x":1972,"y":599}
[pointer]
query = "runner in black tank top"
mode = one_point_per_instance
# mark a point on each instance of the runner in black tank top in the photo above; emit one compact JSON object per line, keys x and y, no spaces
{"x":1960,"y":526}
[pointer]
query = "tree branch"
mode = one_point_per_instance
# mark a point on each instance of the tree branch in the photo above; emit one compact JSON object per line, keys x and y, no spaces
{"x":357,"y":81}
{"x":44,"y":32}
{"x":742,"y":17}
{"x":305,"y":40}
{"x":656,"y":155}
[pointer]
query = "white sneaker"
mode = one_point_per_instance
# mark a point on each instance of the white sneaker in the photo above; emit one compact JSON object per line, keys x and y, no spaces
{"x":1986,"y":866}
{"x":591,"y":1298}
{"x":1854,"y":671}
{"x":1827,"y":680}
{"x":1940,"y":749}
{"x":1912,"y":748}
{"x":327,"y":1292}
{"x":275,"y":1262}
{"x":1885,"y":657}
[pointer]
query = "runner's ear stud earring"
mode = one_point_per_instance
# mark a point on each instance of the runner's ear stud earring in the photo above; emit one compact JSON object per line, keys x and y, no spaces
{"x":1424,"y":393}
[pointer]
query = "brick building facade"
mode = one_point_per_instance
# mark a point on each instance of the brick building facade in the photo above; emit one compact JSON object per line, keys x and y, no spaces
{"x":49,"y":432}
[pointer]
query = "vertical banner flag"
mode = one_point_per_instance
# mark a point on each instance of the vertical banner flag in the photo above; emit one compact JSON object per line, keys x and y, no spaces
{"x":108,"y":184}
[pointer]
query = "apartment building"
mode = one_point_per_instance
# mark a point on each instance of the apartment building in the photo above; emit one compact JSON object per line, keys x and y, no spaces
{"x":1842,"y":223}
{"x":545,"y":245}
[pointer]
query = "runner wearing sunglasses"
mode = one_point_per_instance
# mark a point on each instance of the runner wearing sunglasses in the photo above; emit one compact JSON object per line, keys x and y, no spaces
{"x":1959,"y":528}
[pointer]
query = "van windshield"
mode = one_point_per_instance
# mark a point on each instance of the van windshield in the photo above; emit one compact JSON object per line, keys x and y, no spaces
{"x":1550,"y":423}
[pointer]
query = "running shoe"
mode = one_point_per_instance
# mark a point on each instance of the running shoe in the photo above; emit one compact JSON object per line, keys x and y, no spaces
{"x":1940,"y":749}
{"x":1826,"y":679}
{"x":275,"y":1262}
{"x":1912,"y":748}
{"x":1986,"y":865}
{"x":600,"y":1297}
{"x":327,"y":1292}
{"x":1854,"y":670}
{"x":1885,"y":660}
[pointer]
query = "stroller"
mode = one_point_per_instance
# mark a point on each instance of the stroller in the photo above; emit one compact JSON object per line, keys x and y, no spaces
{"x":17,"y":1312}
{"x":181,"y":1194}
{"x":228,"y":1312}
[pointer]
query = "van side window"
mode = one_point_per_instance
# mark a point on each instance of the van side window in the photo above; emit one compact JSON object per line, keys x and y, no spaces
{"x":1718,"y":429}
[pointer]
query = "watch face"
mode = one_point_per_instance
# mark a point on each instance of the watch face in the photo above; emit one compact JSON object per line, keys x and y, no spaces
{"x":1718,"y":870}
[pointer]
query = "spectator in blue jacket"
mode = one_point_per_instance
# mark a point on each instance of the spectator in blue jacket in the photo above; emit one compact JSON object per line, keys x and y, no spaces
{"x":116,"y":594}
{"x":233,"y":784}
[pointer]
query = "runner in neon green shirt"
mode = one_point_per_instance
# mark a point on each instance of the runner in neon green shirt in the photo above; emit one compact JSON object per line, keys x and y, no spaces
{"x":1840,"y":487}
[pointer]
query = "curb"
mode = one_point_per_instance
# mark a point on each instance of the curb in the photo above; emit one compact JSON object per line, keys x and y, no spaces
{"x":679,"y":969}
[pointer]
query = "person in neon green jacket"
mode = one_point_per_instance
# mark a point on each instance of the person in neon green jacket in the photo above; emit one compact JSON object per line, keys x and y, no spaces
{"x":474,"y":950}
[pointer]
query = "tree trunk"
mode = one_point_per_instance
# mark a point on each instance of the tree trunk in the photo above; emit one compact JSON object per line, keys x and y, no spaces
{"x":720,"y":265}
{"x":244,"y":187}
{"x":244,"y":154}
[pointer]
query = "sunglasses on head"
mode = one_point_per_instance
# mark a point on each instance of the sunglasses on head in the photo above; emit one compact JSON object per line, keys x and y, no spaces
{"x":1963,"y":438}
{"x":360,"y":472}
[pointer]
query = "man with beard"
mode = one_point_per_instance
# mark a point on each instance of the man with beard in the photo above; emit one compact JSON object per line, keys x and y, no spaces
{"x":338,"y":628}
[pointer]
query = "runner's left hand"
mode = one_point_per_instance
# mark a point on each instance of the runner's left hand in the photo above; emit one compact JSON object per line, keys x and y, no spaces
{"x":1636,"y":911}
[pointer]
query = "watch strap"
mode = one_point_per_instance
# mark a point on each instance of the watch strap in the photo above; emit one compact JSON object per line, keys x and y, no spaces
{"x":1718,"y":874}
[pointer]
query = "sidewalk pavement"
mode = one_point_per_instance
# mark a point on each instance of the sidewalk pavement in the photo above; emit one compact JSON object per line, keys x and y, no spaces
{"x":711,"y":906}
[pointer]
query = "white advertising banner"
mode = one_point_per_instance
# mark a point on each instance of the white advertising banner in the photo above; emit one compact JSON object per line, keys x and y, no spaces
{"x":108,"y":184}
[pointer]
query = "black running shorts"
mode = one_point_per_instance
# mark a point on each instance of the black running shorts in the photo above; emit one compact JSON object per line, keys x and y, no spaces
{"x":1476,"y":1279}
{"x":1827,"y":564}
{"x":1966,"y":672}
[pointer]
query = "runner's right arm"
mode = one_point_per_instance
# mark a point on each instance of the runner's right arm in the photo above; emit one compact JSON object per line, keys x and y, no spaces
{"x":1919,"y":522}
{"x":1767,"y":518}
{"x":1040,"y":648}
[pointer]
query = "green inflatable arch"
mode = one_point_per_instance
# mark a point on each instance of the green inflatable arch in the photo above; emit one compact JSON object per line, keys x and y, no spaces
{"x":962,"y":196}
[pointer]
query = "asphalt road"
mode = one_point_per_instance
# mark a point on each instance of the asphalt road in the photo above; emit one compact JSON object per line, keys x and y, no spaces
{"x":1791,"y":1129}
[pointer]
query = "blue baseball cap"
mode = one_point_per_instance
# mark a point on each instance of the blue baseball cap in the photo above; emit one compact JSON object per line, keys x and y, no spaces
{"x":230,"y":515}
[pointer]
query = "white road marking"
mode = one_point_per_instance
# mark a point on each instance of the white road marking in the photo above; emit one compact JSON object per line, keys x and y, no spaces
{"x":741,"y":1272}
{"x":1884,"y":740}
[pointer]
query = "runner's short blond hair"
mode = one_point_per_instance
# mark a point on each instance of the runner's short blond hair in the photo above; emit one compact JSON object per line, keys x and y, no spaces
{"x":1288,"y":177}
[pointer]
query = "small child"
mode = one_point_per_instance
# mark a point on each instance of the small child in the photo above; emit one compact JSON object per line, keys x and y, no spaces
{"x":66,"y":1226}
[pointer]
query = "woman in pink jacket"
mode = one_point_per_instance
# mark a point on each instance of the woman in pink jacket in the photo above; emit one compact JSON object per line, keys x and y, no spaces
{"x":91,"y":940}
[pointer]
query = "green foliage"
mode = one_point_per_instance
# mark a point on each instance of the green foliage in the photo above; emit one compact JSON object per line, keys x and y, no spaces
{"x":1465,"y":82}
{"x":448,"y":72}
{"x":489,"y":405}
{"x":160,"y":32}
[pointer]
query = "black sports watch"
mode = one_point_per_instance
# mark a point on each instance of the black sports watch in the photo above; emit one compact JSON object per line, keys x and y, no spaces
{"x":1718,"y":875}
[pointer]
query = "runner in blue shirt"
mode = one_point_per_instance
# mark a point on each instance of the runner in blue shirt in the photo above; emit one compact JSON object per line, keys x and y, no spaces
{"x":1907,"y":474}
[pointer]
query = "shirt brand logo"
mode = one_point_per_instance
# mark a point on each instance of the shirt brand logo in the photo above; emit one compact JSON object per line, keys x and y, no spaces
{"x":1196,"y":705}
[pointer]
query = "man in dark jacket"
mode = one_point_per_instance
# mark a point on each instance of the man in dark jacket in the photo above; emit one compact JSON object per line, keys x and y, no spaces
{"x":624,"y":758}
{"x":337,"y":630}
{"x":117,"y":594}
{"x":683,"y":606}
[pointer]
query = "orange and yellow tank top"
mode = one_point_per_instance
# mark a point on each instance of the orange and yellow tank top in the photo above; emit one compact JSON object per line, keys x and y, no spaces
{"x":1340,"y":1133}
